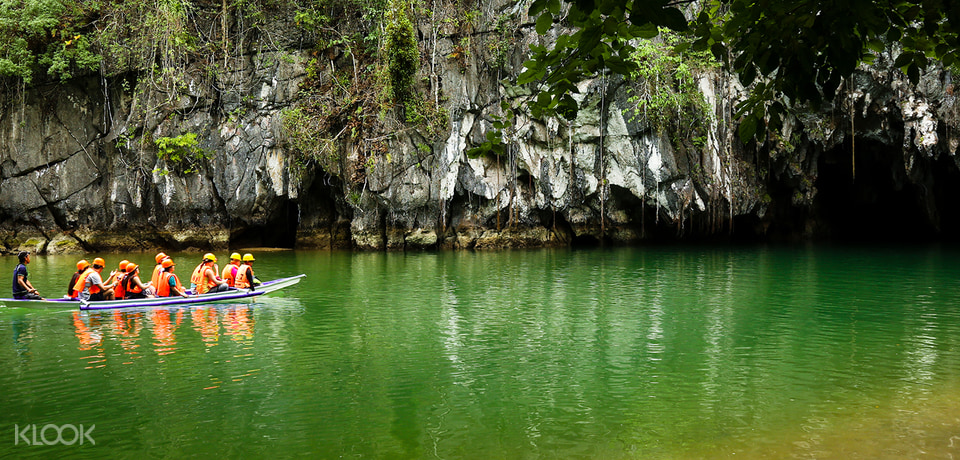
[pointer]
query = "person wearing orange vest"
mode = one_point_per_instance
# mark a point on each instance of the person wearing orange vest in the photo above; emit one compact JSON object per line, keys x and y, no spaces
{"x":117,"y":279}
{"x":205,"y":279}
{"x":230,"y":271}
{"x":155,"y":279}
{"x":169,"y":283}
{"x":22,"y":289}
{"x":81,"y":267}
{"x":90,"y":284}
{"x":245,"y":277}
{"x":133,"y":287}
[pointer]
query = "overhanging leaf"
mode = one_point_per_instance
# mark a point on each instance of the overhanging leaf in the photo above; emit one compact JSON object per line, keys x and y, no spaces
{"x":544,"y":23}
{"x":747,"y":128}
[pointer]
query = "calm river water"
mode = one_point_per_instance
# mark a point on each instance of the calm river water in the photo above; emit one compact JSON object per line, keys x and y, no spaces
{"x":640,"y":353}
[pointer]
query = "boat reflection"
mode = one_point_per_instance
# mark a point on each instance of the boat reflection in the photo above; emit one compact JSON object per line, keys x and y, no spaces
{"x":169,"y":330}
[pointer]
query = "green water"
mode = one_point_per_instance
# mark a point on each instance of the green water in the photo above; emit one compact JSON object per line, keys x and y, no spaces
{"x":627,"y":353}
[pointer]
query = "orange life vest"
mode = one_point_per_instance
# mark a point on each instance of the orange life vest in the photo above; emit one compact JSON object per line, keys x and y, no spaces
{"x":200,"y":279}
{"x":82,"y":280}
{"x":163,"y":290}
{"x":155,"y":279}
{"x":73,"y":282}
{"x":230,"y":274}
{"x":118,"y":287}
{"x":243,"y":281}
{"x":129,"y":286}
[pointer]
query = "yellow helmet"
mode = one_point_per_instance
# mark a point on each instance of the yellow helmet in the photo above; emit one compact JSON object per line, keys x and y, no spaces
{"x":235,"y":256}
{"x":210,"y":257}
{"x":248,"y":258}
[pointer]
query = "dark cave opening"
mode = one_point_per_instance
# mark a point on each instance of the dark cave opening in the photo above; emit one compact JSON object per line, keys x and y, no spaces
{"x":869,"y":198}
{"x":280,"y":230}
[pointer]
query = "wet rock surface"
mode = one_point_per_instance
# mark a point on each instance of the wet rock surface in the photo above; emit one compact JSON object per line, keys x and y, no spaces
{"x":79,"y":169}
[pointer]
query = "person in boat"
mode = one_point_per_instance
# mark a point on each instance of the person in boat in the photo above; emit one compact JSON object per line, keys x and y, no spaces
{"x":205,"y":279}
{"x":81,"y":266}
{"x":90,"y":284}
{"x":133,"y":288}
{"x":22,"y":289}
{"x":117,"y":277}
{"x":155,"y":279}
{"x":245,"y":277}
{"x":229,"y":274}
{"x":169,"y":282}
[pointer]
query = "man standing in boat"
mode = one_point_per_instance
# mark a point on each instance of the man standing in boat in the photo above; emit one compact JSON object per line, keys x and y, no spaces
{"x":22,"y":289}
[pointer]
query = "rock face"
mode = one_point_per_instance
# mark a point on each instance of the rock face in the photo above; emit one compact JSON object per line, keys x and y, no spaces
{"x":80,"y":169}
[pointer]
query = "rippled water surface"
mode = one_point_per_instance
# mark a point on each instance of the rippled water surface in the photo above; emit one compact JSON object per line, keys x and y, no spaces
{"x":625,"y":353}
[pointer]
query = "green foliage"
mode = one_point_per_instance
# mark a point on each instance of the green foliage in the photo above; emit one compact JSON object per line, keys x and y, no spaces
{"x":309,"y":139}
{"x":787,"y":52}
{"x":494,"y":144}
{"x":605,"y":31}
{"x":664,"y":90}
{"x":432,"y":119}
{"x":403,"y":54}
{"x":799,"y":51}
{"x":183,"y":153}
{"x":502,"y":41}
{"x":43,"y":35}
{"x":324,"y":17}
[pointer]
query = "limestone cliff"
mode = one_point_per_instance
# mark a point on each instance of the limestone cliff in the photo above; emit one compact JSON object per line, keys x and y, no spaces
{"x":80,"y":169}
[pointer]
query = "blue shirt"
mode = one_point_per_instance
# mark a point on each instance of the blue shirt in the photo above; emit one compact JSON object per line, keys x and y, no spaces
{"x":21,"y":270}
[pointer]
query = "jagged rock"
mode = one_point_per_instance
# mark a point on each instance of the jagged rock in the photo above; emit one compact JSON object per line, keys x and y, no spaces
{"x":420,"y":239}
{"x":78,"y":161}
{"x":64,"y":244}
{"x":33,"y":243}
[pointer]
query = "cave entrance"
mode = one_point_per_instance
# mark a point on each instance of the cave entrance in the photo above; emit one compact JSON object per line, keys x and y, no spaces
{"x":876,"y":204}
{"x":280,"y":231}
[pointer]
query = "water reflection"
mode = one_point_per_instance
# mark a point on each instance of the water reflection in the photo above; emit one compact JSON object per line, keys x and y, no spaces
{"x":165,"y":329}
{"x":653,"y":353}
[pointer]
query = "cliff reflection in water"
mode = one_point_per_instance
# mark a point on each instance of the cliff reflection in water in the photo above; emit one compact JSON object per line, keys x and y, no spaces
{"x":96,"y":330}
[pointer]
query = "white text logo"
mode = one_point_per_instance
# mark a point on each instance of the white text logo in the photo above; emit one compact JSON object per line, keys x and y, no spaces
{"x":50,"y":434}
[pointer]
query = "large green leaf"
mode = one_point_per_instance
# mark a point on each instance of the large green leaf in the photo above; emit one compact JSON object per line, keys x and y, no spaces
{"x":544,"y":23}
{"x":748,"y":128}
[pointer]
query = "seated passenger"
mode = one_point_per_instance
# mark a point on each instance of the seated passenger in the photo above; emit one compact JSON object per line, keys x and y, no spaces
{"x":169,"y":282}
{"x":117,"y":279}
{"x":205,"y":278}
{"x":22,"y":289}
{"x":90,"y":284}
{"x":82,"y":266}
{"x":155,"y":279}
{"x":245,"y":277}
{"x":133,"y":287}
{"x":230,"y":271}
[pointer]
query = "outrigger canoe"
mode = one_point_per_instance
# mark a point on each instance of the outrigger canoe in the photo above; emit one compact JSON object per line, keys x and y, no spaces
{"x":233,"y":294}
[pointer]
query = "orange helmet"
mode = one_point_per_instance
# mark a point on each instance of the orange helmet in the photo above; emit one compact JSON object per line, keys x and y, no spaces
{"x":100,"y":262}
{"x":167,"y":263}
{"x":123,"y":265}
{"x":160,"y":257}
{"x":131,"y":267}
{"x":82,"y":265}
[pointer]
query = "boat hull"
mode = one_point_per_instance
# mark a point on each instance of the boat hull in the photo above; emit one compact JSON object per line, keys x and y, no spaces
{"x":233,"y":295}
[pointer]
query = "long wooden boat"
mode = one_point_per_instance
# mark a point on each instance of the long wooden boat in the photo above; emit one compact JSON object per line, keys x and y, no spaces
{"x":265,"y":288}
